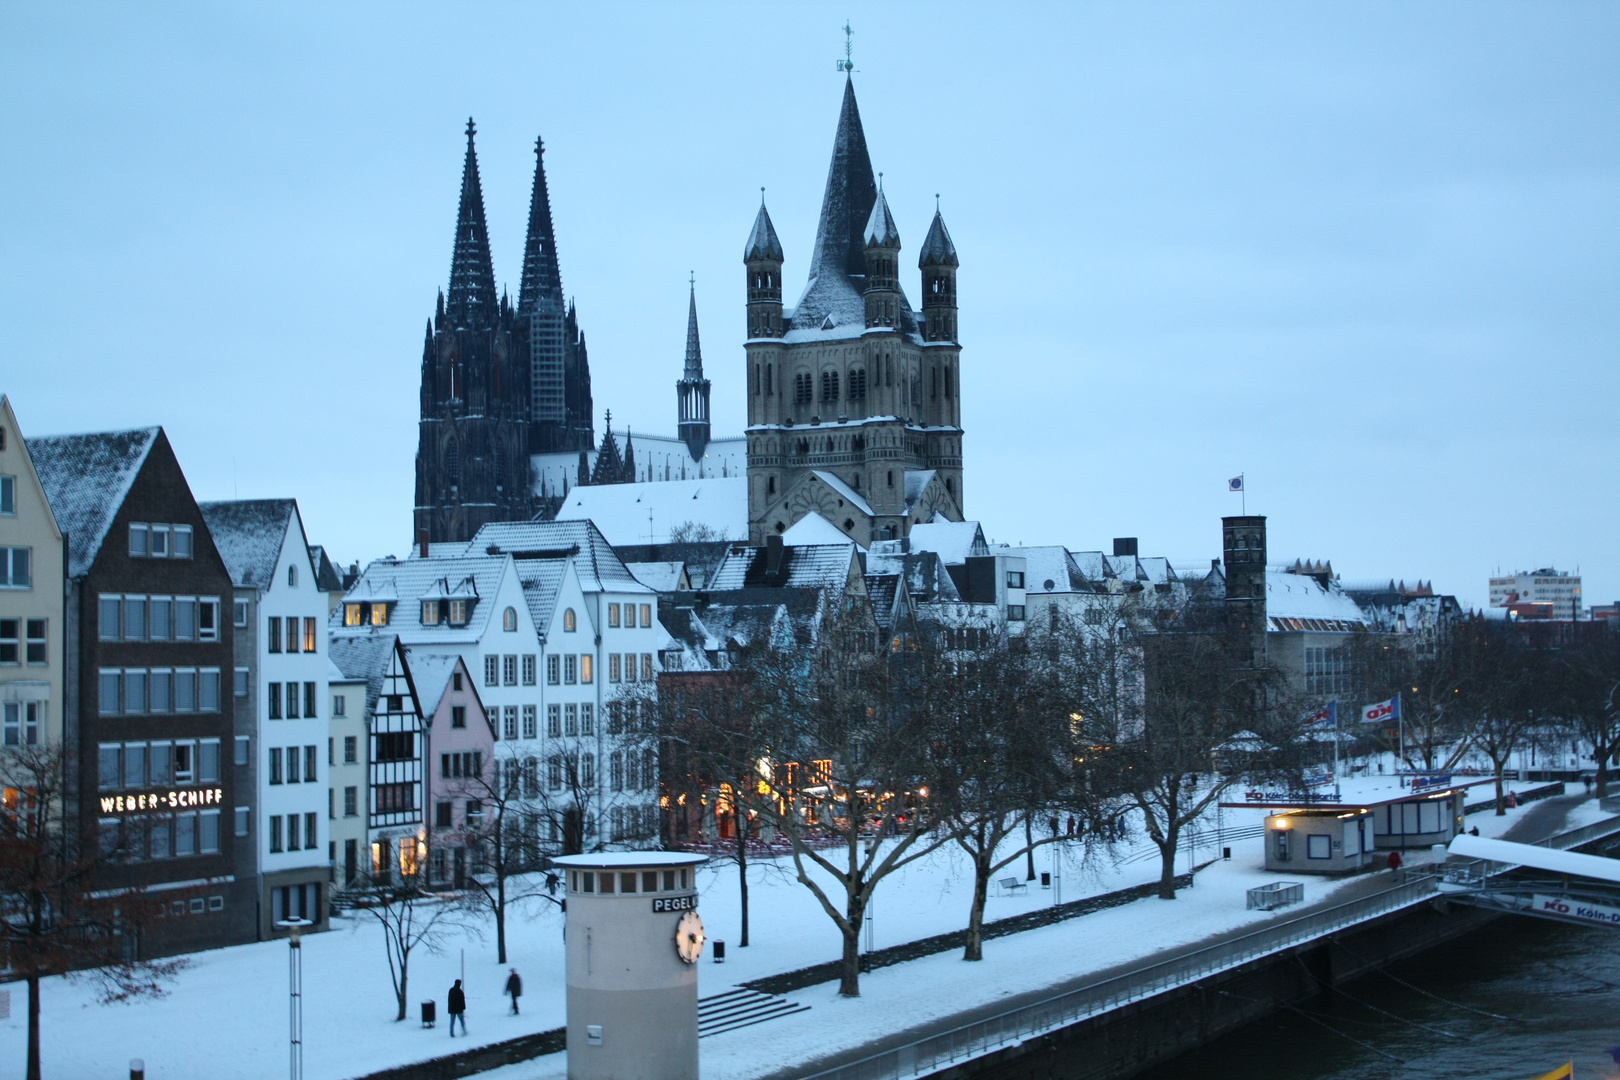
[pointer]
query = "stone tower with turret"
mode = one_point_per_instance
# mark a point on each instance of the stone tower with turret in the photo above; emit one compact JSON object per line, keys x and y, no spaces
{"x":854,"y":408}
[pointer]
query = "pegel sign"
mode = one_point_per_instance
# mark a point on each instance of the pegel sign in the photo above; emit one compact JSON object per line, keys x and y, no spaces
{"x":153,"y":802}
{"x":675,"y":903}
{"x":1567,"y":908}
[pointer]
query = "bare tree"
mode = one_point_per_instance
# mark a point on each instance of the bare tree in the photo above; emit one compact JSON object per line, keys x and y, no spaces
{"x":410,"y":916}
{"x":1583,"y":683}
{"x":1009,"y":742}
{"x":505,"y":807}
{"x":847,"y":766}
{"x":58,"y":915}
{"x":1206,"y":722}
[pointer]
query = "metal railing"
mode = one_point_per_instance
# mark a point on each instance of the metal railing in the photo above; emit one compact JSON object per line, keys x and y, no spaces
{"x":935,"y":1052}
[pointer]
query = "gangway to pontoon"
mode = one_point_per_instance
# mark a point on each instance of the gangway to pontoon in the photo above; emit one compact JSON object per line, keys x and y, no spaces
{"x":1530,"y":879}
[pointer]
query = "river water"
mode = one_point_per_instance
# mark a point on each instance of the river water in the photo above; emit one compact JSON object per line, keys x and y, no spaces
{"x":1557,"y":986}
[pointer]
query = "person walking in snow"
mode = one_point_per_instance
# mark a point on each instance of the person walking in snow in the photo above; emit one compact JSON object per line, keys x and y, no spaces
{"x":514,"y":987}
{"x":1394,"y":874}
{"x":457,"y":1008}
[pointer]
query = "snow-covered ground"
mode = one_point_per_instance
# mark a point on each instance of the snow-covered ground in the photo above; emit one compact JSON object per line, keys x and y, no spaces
{"x":227,"y":1014}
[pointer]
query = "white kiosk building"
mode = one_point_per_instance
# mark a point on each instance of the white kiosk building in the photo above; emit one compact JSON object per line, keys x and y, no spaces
{"x":632,"y":941}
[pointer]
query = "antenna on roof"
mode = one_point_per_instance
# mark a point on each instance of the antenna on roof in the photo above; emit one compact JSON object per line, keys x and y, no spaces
{"x":847,"y":64}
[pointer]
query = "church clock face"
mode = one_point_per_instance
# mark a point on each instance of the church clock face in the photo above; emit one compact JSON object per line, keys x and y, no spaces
{"x":689,"y":937}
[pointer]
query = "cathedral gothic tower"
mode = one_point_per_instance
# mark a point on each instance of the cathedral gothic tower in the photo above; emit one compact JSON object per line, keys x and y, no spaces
{"x":498,"y":382}
{"x":853,"y":406}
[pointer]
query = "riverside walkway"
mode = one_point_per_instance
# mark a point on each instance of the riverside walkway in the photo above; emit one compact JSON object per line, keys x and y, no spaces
{"x":976,"y":1032}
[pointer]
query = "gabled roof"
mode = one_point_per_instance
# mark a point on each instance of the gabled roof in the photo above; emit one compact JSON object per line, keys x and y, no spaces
{"x":926,"y":578}
{"x":405,"y":582}
{"x":86,"y":478}
{"x":249,"y":534}
{"x":600,"y":568}
{"x":663,"y":576}
{"x":327,"y":578}
{"x":813,"y":529}
{"x":812,"y":566}
{"x":9,"y":417}
{"x":917,"y":481}
{"x":845,"y":492}
{"x":954,"y":540}
{"x":1303,"y":602}
{"x":364,"y":657}
{"x":430,"y":674}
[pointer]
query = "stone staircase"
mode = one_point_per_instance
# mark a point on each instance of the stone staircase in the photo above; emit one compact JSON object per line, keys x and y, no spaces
{"x":741,"y":1008}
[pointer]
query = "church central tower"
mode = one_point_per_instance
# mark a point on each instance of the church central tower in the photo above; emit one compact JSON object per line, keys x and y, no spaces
{"x":853,"y":401}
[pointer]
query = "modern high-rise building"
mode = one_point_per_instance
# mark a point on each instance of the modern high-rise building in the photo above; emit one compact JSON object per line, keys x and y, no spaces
{"x":1558,"y":588}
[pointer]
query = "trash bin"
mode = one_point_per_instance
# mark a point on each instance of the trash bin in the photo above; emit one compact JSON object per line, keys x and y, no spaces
{"x":429,"y":1014}
{"x":719,"y":951}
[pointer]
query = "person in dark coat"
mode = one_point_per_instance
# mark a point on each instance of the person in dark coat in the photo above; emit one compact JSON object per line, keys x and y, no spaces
{"x":457,"y":1008}
{"x":514,"y":987}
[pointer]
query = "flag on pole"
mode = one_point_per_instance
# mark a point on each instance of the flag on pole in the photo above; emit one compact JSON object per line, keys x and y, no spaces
{"x":1379,"y":712}
{"x":1325,"y":717}
{"x":1235,"y":484}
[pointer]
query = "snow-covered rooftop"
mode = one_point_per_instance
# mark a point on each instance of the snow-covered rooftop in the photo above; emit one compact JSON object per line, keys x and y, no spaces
{"x":430,"y":674}
{"x":86,"y":479}
{"x":249,"y":534}
{"x":663,"y":576}
{"x":953,"y":540}
{"x":813,"y":529}
{"x":645,"y":513}
{"x":1302,"y":600}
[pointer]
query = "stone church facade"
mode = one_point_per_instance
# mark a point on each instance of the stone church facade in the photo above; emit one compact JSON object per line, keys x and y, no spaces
{"x":854,"y":406}
{"x":499,"y":382}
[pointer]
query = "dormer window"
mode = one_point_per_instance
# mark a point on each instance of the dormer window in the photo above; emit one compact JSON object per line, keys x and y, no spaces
{"x":379,"y":614}
{"x":458,"y":613}
{"x":430,"y":613}
{"x":570,"y":623}
{"x":351,"y":615}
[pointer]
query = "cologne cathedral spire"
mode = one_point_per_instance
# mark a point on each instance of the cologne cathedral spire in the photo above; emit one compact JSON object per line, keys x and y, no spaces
{"x":541,"y":276}
{"x":472,"y":272}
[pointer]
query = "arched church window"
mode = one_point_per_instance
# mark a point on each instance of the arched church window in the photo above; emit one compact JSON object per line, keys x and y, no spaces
{"x":770,"y":485}
{"x":891,"y":478}
{"x":857,"y":384}
{"x":768,"y":390}
{"x":570,"y":623}
{"x":888,"y":371}
{"x":452,"y":465}
{"x":829,"y":386}
{"x":509,"y":620}
{"x":803,"y":388}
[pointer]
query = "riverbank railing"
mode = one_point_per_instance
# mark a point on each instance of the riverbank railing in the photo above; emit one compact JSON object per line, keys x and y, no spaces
{"x":938,"y":1051}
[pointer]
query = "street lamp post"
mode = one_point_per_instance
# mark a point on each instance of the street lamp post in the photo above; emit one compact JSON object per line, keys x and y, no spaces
{"x":295,"y":996}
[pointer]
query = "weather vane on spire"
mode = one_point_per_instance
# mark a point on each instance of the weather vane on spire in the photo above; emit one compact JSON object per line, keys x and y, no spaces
{"x":847,"y":64}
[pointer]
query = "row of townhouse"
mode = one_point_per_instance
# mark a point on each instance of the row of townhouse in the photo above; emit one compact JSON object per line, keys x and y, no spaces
{"x":174,"y":654}
{"x":509,"y":669}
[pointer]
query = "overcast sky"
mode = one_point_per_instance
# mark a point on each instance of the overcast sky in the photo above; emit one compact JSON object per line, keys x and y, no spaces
{"x":1367,"y":255}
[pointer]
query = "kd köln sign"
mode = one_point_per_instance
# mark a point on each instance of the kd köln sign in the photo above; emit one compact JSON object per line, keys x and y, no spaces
{"x":1576,"y":909}
{"x":156,"y":801}
{"x":675,"y":903}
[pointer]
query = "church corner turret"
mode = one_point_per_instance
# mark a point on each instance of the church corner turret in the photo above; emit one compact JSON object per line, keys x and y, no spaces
{"x":692,"y":390}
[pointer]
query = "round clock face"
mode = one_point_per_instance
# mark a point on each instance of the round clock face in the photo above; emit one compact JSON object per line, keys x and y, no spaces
{"x":689,"y":937}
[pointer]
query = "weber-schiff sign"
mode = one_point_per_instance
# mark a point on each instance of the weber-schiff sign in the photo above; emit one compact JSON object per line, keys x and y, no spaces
{"x":151,"y":802}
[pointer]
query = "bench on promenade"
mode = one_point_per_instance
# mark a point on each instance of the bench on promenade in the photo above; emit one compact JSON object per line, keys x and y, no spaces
{"x":1011,"y":885}
{"x":1275,"y":895}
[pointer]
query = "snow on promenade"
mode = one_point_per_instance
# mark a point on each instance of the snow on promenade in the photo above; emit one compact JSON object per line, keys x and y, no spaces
{"x":227,"y":1013}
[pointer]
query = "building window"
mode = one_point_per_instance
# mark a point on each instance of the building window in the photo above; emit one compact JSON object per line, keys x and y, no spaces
{"x":553,"y":670}
{"x":802,"y":388}
{"x":272,"y":698}
{"x":243,"y":743}
{"x":207,"y":620}
{"x":616,"y":772}
{"x":587,"y":719}
{"x":530,"y":721}
{"x":379,"y":614}
{"x":554,"y":772}
{"x":275,"y":765}
{"x":109,"y":616}
{"x":857,"y":384}
{"x":613,"y":667}
{"x":311,"y":763}
{"x":292,"y":577}
{"x":351,"y":749}
{"x":160,"y":542}
{"x":309,"y":635}
{"x":1015,"y":612}
{"x":275,"y":832}
{"x":509,"y":620}
{"x":10,"y":641}
{"x":351,"y":801}
{"x":239,"y":613}
{"x":36,"y":640}
{"x":339,"y":705}
{"x":243,"y":817}
{"x":138,"y":532}
{"x":458,"y":613}
{"x":8,"y":490}
{"x":430,"y":613}
{"x":442,"y":814}
{"x":22,"y":722}
{"x":646,"y":667}
{"x":292,"y":701}
{"x":829,"y":386}
{"x":352,"y":616}
{"x":492,"y":671}
{"x":509,"y":727}
{"x":587,"y":668}
{"x":1015,"y":579}
{"x":458,"y":716}
{"x":529,"y":666}
{"x":646,"y":616}
{"x":182,"y":542}
{"x":571,"y":719}
{"x":134,"y":618}
{"x":554,"y":721}
{"x":587,"y":771}
{"x":509,"y":670}
{"x":570,"y":621}
{"x":613,"y":615}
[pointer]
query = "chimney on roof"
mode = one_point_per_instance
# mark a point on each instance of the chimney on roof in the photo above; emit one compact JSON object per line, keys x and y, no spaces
{"x":773,"y":555}
{"x":1124,"y":545}
{"x":422,"y":542}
